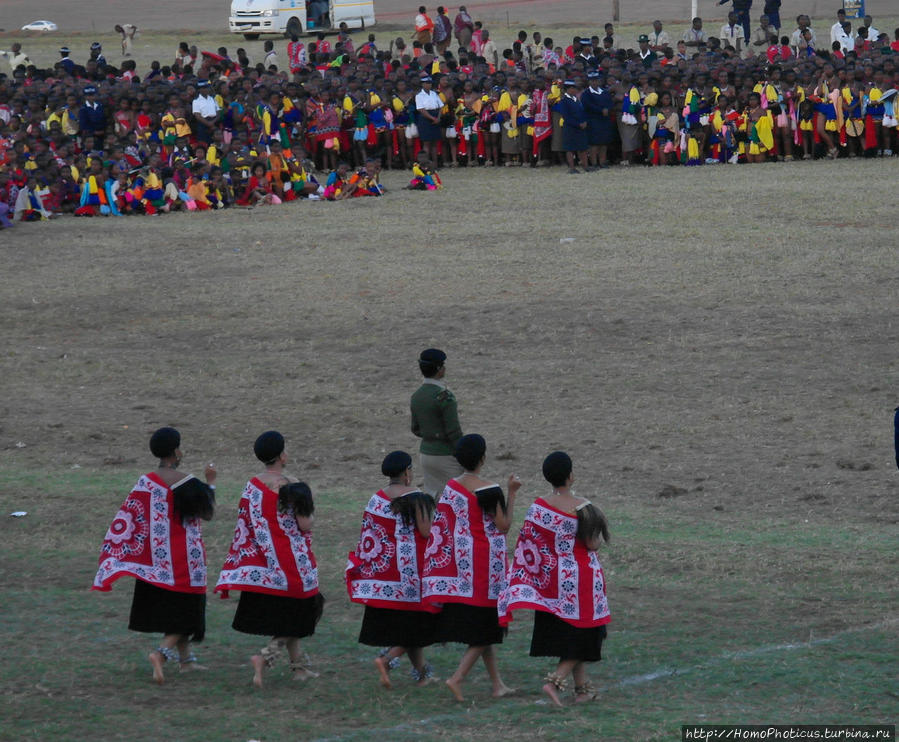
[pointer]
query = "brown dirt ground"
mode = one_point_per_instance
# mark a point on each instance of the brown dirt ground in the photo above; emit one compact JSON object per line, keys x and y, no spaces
{"x":745,"y":357}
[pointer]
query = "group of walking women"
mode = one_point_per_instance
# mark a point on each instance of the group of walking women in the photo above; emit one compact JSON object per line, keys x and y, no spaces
{"x":426,"y":571}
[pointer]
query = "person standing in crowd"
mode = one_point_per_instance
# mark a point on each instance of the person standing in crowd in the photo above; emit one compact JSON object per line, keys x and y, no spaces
{"x":741,"y":12}
{"x":556,"y":573}
{"x":424,"y":26}
{"x":443,"y":31}
{"x":659,"y":38}
{"x":16,"y":57}
{"x":465,"y":563}
{"x":128,"y":32}
{"x":271,"y":562}
{"x":463,"y":27}
{"x":205,"y":112}
{"x":427,"y":117}
{"x":598,"y":104}
{"x":383,"y":573}
{"x":574,"y":128}
{"x":435,"y":419}
{"x":157,"y":538}
{"x":694,"y":36}
{"x":92,"y":115}
{"x":772,"y":10}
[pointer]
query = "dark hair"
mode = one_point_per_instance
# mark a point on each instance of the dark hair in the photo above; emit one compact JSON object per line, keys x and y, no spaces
{"x":194,"y":499}
{"x":591,"y":523}
{"x":470,"y":449}
{"x":557,"y":466}
{"x":429,"y":369}
{"x":409,"y":505}
{"x":296,"y":499}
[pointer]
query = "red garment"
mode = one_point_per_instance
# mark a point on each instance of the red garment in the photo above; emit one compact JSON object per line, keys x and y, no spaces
{"x":148,"y":540}
{"x":465,"y":559}
{"x":385,"y":568}
{"x":269,"y":553}
{"x":553,"y":571}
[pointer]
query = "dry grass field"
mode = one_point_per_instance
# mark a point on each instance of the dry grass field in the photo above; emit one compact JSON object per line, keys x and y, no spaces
{"x":715,"y":348}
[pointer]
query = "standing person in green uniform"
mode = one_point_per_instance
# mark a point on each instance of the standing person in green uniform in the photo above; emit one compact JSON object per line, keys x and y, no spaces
{"x":435,"y":420}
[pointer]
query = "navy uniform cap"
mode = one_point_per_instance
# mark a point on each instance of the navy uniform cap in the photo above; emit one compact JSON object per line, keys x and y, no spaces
{"x":90,"y":90}
{"x":203,"y":83}
{"x":426,"y":78}
{"x":96,"y":45}
{"x":570,"y":83}
{"x":63,"y":50}
{"x":593,"y":74}
{"x":586,"y":42}
{"x":432,"y":355}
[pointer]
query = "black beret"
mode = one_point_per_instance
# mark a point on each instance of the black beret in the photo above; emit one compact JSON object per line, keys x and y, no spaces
{"x":432,"y":355}
{"x":470,"y":449}
{"x":557,"y":467}
{"x":395,"y":463}
{"x":268,"y":446}
{"x":164,"y":442}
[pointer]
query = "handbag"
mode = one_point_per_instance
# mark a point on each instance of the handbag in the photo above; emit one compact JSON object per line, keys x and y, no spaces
{"x":451,"y":132}
{"x":411,"y":131}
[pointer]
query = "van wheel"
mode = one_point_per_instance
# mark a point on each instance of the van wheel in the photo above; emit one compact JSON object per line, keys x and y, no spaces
{"x":294,"y":27}
{"x":251,"y":36}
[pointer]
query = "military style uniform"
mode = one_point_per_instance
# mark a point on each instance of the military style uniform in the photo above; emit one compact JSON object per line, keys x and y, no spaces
{"x":435,"y":419}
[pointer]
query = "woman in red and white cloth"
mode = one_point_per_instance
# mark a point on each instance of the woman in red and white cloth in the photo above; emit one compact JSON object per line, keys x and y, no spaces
{"x":465,"y":562}
{"x":271,"y":562}
{"x":157,"y":538}
{"x":557,"y":574}
{"x":384,"y":572}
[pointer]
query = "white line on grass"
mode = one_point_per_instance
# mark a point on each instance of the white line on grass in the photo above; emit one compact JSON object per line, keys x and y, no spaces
{"x":413,"y":726}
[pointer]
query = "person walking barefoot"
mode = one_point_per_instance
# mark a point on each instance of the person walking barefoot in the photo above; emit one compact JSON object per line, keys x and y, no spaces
{"x":465,"y":563}
{"x":272,"y":564}
{"x":170,"y":565}
{"x":557,"y":574}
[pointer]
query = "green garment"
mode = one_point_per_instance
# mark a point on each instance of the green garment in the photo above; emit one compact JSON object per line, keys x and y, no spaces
{"x":435,"y":419}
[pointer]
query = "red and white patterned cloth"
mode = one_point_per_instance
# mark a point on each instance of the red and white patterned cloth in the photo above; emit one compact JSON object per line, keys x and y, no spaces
{"x":385,"y":569}
{"x":465,"y":559}
{"x":269,"y":553}
{"x":147,"y":541}
{"x":553,"y":571}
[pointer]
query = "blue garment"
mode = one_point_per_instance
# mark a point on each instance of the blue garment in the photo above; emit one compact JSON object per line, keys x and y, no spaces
{"x":574,"y":138}
{"x":92,"y":119}
{"x":600,"y":129}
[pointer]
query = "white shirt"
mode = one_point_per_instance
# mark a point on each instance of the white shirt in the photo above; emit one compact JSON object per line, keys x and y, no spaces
{"x":846,"y":42}
{"x":873,"y":33}
{"x":204,"y":106}
{"x":731,"y":34}
{"x":836,"y":30}
{"x":270,"y":59}
{"x":428,"y":101}
{"x":16,"y":59}
{"x":660,"y":39}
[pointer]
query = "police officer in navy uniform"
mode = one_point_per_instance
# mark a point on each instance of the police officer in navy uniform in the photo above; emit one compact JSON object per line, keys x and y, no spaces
{"x":92,"y":116}
{"x":598,"y":104}
{"x":435,"y":419}
{"x":574,"y":127}
{"x":586,"y":54}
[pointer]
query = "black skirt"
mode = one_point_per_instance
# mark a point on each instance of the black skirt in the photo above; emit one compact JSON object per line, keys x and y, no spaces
{"x":554,"y":637}
{"x":386,"y":627}
{"x":276,"y":615}
{"x":469,"y":624}
{"x":156,"y":610}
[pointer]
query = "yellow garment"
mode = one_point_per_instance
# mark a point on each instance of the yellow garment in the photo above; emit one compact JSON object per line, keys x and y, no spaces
{"x":212,"y":155}
{"x":692,"y":149}
{"x":348,"y":105}
{"x":764,"y":127}
{"x":417,"y":171}
{"x":634,"y":96}
{"x":875,"y":94}
{"x":398,"y":105}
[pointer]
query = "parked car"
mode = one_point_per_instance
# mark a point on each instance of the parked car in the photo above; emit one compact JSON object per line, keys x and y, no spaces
{"x":40,"y":26}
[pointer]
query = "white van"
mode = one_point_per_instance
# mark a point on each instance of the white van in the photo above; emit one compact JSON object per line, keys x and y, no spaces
{"x":296,"y":17}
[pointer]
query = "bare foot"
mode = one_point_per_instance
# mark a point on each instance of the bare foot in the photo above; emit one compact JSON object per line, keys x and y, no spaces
{"x":456,"y":688}
{"x":304,"y":674}
{"x":551,"y":691}
{"x":382,"y":663}
{"x":258,"y":664}
{"x":157,"y":661}
{"x":503,"y":691}
{"x":427,"y":681}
